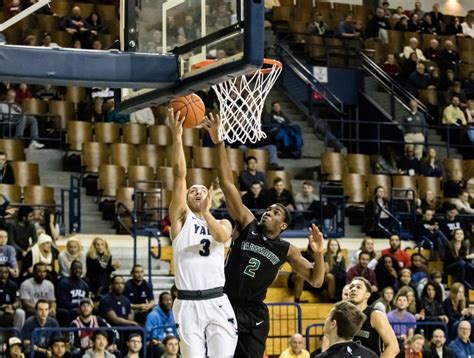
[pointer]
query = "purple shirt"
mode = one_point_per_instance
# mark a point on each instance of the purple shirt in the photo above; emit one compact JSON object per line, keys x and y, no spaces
{"x":394,"y":318}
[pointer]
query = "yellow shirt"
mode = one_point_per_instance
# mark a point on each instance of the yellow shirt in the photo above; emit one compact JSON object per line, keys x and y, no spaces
{"x":452,"y":114}
{"x":289,"y":354}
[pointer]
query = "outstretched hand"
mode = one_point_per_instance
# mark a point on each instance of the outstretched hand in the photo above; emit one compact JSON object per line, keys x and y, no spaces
{"x":211,"y":125}
{"x":206,"y":203}
{"x":175,"y":122}
{"x":316,"y":239}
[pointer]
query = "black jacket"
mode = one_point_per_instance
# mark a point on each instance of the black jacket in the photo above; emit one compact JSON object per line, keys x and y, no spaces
{"x":432,"y":353}
{"x":346,"y":350}
{"x":6,"y":175}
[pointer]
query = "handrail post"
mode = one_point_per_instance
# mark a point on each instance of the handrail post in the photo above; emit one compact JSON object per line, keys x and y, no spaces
{"x":448,"y":139}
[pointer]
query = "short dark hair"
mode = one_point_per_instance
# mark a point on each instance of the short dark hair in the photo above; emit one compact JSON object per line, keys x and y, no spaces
{"x":250,"y":157}
{"x":276,"y":180}
{"x":57,"y":338}
{"x":449,"y":207}
{"x":42,"y":300}
{"x":100,"y":332}
{"x":363,"y":253}
{"x":366,"y":282}
{"x":134,"y":267}
{"x":308,"y":183}
{"x":255,"y":182}
{"x":38,"y":264}
{"x":169,"y":338}
{"x":114,"y":277}
{"x":23,"y":212}
{"x":3,"y":153}
{"x":275,"y":102}
{"x":463,"y":191}
{"x":133,"y":335}
{"x":163,"y":294}
{"x":349,"y":319}
{"x":288,"y":217}
{"x":428,"y":209}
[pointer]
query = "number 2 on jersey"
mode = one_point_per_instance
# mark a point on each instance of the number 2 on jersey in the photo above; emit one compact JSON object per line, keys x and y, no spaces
{"x":205,"y":247}
{"x":253,"y":266}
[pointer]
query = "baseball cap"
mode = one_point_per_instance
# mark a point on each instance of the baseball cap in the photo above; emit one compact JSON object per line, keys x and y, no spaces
{"x":14,"y":340}
{"x":85,"y":300}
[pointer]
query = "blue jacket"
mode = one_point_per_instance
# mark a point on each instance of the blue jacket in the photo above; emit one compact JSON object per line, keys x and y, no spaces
{"x":462,"y":350}
{"x":157,"y":322}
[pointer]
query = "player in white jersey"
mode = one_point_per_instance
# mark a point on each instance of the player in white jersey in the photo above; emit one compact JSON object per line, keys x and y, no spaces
{"x":204,"y":316}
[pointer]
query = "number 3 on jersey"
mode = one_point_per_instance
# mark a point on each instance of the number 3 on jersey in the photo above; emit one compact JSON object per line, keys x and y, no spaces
{"x":205,"y":247}
{"x":253,"y":266}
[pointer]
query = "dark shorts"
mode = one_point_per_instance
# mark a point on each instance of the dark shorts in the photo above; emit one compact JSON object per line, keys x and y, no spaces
{"x":253,"y":325}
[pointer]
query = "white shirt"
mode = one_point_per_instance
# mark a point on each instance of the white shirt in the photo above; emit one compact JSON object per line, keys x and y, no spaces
{"x":466,"y":30}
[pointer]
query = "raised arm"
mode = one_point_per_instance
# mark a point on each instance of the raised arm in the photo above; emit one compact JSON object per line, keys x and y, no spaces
{"x":221,"y":230}
{"x":237,"y":210}
{"x":314,"y":274}
{"x":178,"y":207}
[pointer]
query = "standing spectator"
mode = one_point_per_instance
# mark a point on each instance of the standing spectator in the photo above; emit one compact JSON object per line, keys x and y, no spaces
{"x":171,"y":345}
{"x":462,"y":346}
{"x":99,"y":349}
{"x":418,"y":80}
{"x":453,"y":115}
{"x":134,"y":345}
{"x":414,"y":127}
{"x":161,"y":319}
{"x":438,"y":18}
{"x":361,"y":270}
{"x":11,"y":313}
{"x":305,"y":199}
{"x":40,"y":319}
{"x":390,"y":66}
{"x":295,"y":350}
{"x":438,"y":348}
{"x":255,"y":198}
{"x":140,"y":294}
{"x":41,"y":252}
{"x":449,"y":58}
{"x":115,"y":307}
{"x":462,"y":203}
{"x":414,"y":348}
{"x":403,"y":332}
{"x":468,"y":26}
{"x":428,"y":228}
{"x":409,"y":164}
{"x":280,"y":195}
{"x":346,"y":28}
{"x":376,"y":213}
{"x":22,"y":232}
{"x":432,"y":166}
{"x":377,"y":26}
{"x":455,"y":306}
{"x":432,"y":52}
{"x":35,"y":288}
{"x":417,"y":10}
{"x":72,"y":253}
{"x":318,"y":26}
{"x":413,"y":48}
{"x":402,"y":257}
{"x":386,"y":272}
{"x":458,"y":260}
{"x":251,"y":174}
{"x":6,"y":172}
{"x":8,"y":255}
{"x":99,"y":267}
{"x":366,"y":245}
{"x":432,"y":303}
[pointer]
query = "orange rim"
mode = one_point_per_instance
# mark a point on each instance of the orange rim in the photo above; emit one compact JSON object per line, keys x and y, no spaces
{"x":266,"y":61}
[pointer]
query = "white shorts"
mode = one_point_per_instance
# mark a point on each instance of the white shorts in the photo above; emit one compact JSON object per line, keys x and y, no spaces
{"x":206,"y":328}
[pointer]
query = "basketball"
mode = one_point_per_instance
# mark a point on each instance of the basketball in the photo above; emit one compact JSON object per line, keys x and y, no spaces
{"x":191,"y":107}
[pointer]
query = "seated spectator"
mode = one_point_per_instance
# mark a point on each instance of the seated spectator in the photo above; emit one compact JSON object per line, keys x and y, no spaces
{"x":318,"y":26}
{"x":385,"y":302}
{"x":296,"y":348}
{"x":408,"y":67}
{"x":32,"y":289}
{"x":81,"y":340}
{"x":409,"y":291}
{"x":462,"y":346}
{"x":377,"y":26}
{"x":99,"y":267}
{"x":418,"y":268}
{"x":454,"y":27}
{"x":100,"y":341}
{"x":280,"y":195}
{"x":414,"y":23}
{"x":447,"y":81}
{"x":306,"y":198}
{"x":418,"y":80}
{"x":402,"y":257}
{"x":390,"y":66}
{"x":403,"y":332}
{"x":453,"y":114}
{"x":47,"y":42}
{"x":456,"y":90}
{"x":134,"y":345}
{"x":72,"y":253}
{"x":15,"y":348}
{"x":436,"y":277}
{"x":427,"y":26}
{"x":409,"y":164}
{"x":96,"y":45}
{"x":115,"y":307}
{"x":40,"y":319}
{"x":430,"y":201}
{"x":449,"y":58}
{"x":402,"y":24}
{"x":455,"y":306}
{"x":342,"y":324}
{"x":431,"y":166}
{"x":70,"y":291}
{"x":418,"y":10}
{"x":255,"y":198}
{"x":140,"y":294}
{"x":366,"y":245}
{"x":12,"y":112}
{"x":346,"y":28}
{"x":376,"y":213}
{"x":468,"y":26}
{"x":361,"y":270}
{"x":336,"y":267}
{"x":414,"y":128}
{"x":23,"y":92}
{"x":462,"y":203}
{"x":399,"y":13}
{"x":437,"y":347}
{"x":432,"y":53}
{"x":432,"y":303}
{"x":435,"y":78}
{"x":412,"y":48}
{"x":453,"y":186}
{"x":470,"y":119}
{"x":386,"y":272}
{"x":414,"y":348}
{"x":408,"y":204}
{"x":95,"y":25}
{"x":287,"y":135}
{"x":404,"y":280}
{"x":428,"y":229}
{"x":47,"y":93}
{"x":11,"y":314}
{"x":161,"y":319}
{"x":458,"y":260}
{"x":386,"y":9}
{"x":386,"y":161}
{"x":251,"y":174}
{"x":190,"y":30}
{"x":51,"y":224}
{"x":6,"y":171}
{"x":171,"y":345}
{"x":41,"y":252}
{"x":75,"y":25}
{"x":58,"y":348}
{"x":437,"y":18}
{"x":468,"y":86}
{"x":8,"y":255}
{"x":452,"y":221}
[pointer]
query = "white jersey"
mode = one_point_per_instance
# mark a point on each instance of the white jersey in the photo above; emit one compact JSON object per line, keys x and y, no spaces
{"x":198,"y":258}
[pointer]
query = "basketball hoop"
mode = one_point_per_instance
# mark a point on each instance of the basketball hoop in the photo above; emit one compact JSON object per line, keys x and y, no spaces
{"x":241,"y":102}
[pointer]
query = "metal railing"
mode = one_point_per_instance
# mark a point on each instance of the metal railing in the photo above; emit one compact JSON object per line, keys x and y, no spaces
{"x":285,"y":320}
{"x":74,"y":204}
{"x":313,"y":339}
{"x":419,"y":325}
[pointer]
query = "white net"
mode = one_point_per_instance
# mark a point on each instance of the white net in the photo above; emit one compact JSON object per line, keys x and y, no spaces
{"x":241,"y":103}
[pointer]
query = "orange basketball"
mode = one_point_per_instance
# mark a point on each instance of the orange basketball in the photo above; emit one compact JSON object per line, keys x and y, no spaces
{"x":191,"y":107}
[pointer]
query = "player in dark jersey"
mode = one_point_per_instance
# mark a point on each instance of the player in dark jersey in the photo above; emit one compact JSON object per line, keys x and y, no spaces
{"x":376,"y":333}
{"x":256,"y":255}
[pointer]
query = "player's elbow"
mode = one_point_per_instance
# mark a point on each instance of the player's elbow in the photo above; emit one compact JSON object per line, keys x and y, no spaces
{"x":392,"y":349}
{"x":316,"y":282}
